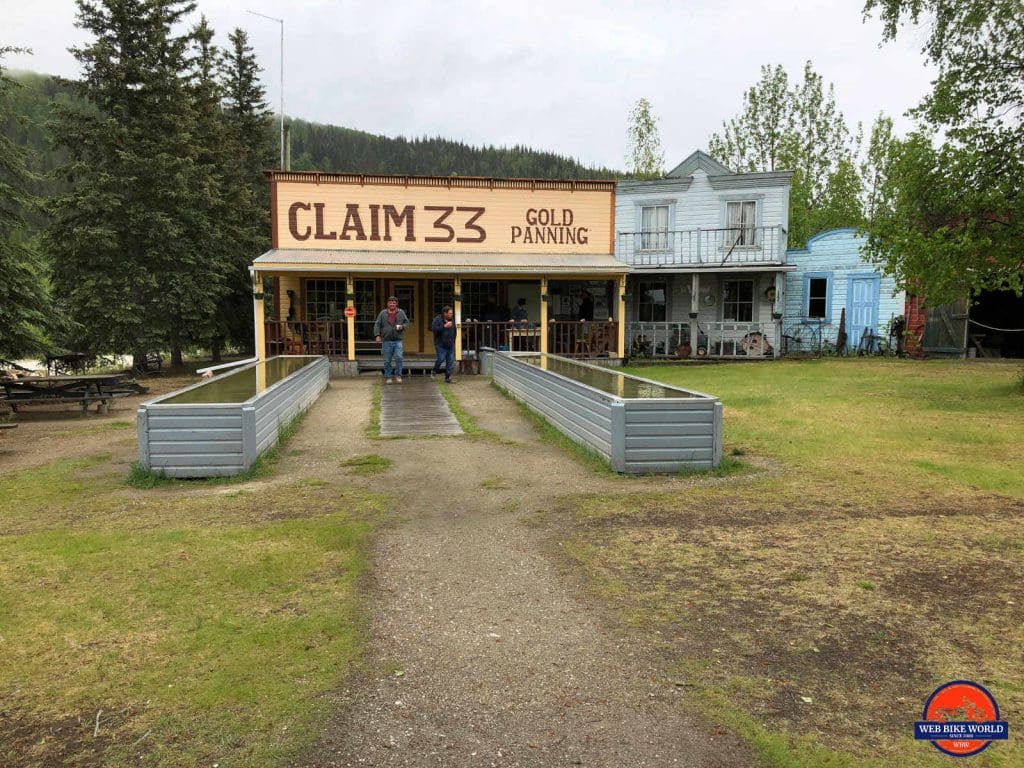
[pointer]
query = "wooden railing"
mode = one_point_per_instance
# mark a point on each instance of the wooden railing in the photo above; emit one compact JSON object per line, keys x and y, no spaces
{"x":703,"y":247}
{"x":306,"y":337}
{"x":565,"y":337}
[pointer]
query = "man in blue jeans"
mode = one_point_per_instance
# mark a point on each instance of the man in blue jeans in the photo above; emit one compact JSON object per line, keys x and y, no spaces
{"x":444,"y":342}
{"x":388,"y":329}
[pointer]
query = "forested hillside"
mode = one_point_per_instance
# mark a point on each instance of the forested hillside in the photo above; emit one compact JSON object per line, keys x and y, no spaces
{"x":316,"y":147}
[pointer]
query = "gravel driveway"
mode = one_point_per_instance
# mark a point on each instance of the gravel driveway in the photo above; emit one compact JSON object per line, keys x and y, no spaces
{"x":481,"y":652}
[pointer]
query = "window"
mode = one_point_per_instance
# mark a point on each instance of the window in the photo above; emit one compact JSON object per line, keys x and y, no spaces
{"x":474,"y":297}
{"x":654,"y":227}
{"x":738,"y":300}
{"x":818,"y":295}
{"x":367,"y":308}
{"x":741,"y":220}
{"x":442,"y":292}
{"x":325,"y":299}
{"x":652,"y":301}
{"x":817,"y":298}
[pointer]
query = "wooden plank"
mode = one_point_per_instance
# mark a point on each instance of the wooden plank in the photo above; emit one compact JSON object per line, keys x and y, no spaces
{"x":416,"y":408}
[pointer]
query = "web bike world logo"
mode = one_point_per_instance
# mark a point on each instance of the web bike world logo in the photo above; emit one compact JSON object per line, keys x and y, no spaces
{"x":961,"y":718}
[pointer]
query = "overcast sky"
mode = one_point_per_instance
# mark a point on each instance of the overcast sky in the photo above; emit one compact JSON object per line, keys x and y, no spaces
{"x":555,"y":75}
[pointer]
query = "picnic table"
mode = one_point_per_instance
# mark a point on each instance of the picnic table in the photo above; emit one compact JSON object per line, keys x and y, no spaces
{"x":99,"y":388}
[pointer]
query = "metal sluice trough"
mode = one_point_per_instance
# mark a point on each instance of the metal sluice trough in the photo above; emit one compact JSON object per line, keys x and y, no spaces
{"x":221,"y":426}
{"x":639,"y":426}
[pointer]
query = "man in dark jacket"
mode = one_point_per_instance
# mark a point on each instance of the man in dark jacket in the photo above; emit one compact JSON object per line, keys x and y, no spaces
{"x":444,"y":342}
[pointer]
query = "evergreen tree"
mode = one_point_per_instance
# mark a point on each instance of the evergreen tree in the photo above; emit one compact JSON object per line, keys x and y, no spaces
{"x":646,"y":159}
{"x":129,"y":238}
{"x":247,"y":218}
{"x":25,"y":309}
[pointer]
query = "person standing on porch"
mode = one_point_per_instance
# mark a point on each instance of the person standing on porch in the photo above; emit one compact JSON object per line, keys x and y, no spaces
{"x":388,"y":329}
{"x":444,"y":342}
{"x":586,"y":306}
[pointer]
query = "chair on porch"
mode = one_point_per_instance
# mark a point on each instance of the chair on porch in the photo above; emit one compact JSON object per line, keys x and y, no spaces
{"x":596,"y":341}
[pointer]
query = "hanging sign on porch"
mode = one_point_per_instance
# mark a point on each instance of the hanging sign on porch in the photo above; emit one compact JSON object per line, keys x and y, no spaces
{"x":351,"y":212}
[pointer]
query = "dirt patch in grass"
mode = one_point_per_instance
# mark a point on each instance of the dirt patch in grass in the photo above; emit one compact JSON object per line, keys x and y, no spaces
{"x":807,"y":619}
{"x":62,"y":741}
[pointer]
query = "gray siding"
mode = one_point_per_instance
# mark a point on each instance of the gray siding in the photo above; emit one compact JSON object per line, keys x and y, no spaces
{"x":186,"y":440}
{"x":633,"y":435}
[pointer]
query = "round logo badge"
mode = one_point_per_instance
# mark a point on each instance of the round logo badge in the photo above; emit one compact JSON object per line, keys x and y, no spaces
{"x":961,"y":718}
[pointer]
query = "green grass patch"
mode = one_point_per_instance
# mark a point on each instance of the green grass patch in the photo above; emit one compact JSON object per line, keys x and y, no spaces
{"x":373,"y":427}
{"x":467,"y":422}
{"x":207,"y":626}
{"x":100,"y":428}
{"x":869,"y":491}
{"x":368,"y":464}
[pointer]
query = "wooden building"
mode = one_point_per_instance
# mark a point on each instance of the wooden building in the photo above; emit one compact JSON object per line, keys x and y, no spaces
{"x":706,"y":249}
{"x":832,"y":274}
{"x":343,"y":243}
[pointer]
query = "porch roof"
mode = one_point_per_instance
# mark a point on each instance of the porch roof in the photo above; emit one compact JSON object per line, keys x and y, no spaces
{"x":676,"y":269}
{"x":333,"y":260}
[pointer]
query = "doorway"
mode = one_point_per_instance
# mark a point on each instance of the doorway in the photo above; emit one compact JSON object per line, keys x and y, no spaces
{"x":407,"y":293}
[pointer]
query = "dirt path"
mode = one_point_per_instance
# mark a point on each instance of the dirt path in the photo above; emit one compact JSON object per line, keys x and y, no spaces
{"x":482,"y":654}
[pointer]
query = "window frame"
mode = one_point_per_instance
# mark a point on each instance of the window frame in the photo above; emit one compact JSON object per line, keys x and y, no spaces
{"x":751,"y":303}
{"x":318,"y":293}
{"x":641,"y":304}
{"x":655,"y":240}
{"x":806,"y":302}
{"x":754,"y":227}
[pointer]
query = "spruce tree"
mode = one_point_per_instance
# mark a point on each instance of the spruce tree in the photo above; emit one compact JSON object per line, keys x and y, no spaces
{"x":24,"y":300}
{"x":250,"y":152}
{"x":129,"y":238}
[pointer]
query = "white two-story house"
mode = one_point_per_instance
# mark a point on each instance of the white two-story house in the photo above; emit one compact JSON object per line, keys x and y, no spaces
{"x":707,"y":252}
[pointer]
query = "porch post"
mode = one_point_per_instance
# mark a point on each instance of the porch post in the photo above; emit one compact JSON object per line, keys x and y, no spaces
{"x":457,"y":290}
{"x":544,"y":315}
{"x":778,"y":307}
{"x":694,"y":309}
{"x":622,"y":316}
{"x":257,"y":316}
{"x":350,"y":322}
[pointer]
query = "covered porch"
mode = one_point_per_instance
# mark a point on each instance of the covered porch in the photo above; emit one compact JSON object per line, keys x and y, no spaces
{"x":721,"y":312}
{"x":326,"y":303}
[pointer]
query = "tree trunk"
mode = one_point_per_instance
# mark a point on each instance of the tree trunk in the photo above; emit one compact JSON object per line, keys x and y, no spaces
{"x":176,"y":360}
{"x":216,"y":346}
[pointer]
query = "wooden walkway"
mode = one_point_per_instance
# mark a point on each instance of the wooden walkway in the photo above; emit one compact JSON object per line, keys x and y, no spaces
{"x":416,"y":408}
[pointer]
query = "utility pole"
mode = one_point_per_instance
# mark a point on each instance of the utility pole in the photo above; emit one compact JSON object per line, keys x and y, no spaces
{"x":281,"y":22}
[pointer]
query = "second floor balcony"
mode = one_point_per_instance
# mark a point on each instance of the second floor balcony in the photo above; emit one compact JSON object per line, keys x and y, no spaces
{"x":740,"y":246}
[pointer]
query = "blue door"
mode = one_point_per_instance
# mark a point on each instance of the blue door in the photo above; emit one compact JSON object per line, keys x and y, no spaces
{"x":863,"y":307}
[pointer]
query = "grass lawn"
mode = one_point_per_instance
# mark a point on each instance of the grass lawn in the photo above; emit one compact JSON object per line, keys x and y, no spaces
{"x":873,"y":550}
{"x":187,"y":624}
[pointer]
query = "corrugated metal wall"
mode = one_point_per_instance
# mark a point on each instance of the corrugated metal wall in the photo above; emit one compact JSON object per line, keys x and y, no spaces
{"x":633,"y":435}
{"x":191,"y":440}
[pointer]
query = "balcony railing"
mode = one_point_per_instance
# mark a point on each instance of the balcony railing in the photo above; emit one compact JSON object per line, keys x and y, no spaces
{"x":723,"y":339}
{"x":650,"y":339}
{"x":568,"y":338}
{"x":703,"y":247}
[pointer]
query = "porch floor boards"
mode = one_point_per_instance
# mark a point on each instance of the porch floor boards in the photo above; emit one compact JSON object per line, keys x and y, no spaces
{"x":416,"y":408}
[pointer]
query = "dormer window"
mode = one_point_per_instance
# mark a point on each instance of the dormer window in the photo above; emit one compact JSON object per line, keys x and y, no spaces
{"x":741,"y":220}
{"x":654,"y":227}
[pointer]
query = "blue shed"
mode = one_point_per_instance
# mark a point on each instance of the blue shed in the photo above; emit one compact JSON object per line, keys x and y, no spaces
{"x":833,"y":274}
